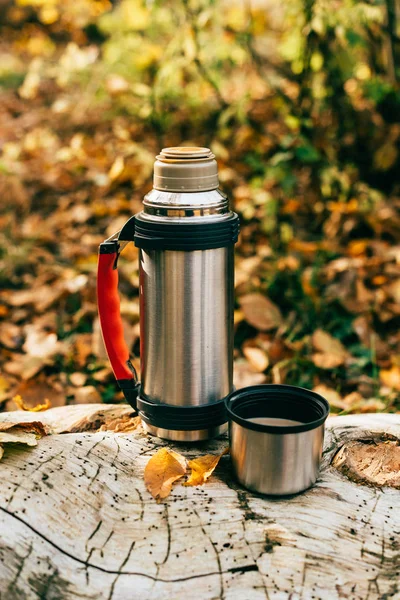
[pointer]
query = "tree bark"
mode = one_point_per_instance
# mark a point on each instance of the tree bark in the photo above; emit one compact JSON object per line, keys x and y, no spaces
{"x":76,"y":520}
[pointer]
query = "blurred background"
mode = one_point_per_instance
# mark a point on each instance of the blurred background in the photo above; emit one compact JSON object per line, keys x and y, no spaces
{"x":300,"y":102}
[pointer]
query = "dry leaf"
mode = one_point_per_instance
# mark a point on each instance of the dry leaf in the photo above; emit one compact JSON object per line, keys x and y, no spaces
{"x":244,"y":375}
{"x":40,"y":344}
{"x":331,"y":353}
{"x":326,"y":343}
{"x":87,"y":395}
{"x":327,"y":361}
{"x":331,"y":395}
{"x":260,"y":312}
{"x":258,"y":359}
{"x":78,"y":379}
{"x":162,"y":470}
{"x":391,"y":377}
{"x":38,"y":408}
{"x":124,"y":424}
{"x":203,"y":467}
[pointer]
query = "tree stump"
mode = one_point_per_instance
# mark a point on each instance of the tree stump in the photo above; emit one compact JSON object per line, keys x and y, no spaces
{"x":76,"y":520}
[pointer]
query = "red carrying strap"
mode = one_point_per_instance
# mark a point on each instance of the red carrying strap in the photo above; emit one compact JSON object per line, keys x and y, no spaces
{"x":111,"y":322}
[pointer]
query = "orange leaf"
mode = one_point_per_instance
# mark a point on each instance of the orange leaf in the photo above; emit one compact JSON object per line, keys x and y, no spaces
{"x":38,"y":408}
{"x":165,"y":467}
{"x":203,"y":467}
{"x":391,"y":377}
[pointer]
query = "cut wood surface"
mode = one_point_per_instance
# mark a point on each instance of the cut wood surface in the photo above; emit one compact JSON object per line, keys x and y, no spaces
{"x":77,"y":522}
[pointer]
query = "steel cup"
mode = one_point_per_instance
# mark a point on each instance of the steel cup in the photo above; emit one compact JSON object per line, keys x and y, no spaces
{"x":276,"y":437}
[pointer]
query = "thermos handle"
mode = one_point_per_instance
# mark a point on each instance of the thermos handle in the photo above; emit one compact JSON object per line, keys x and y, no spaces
{"x":111,"y":322}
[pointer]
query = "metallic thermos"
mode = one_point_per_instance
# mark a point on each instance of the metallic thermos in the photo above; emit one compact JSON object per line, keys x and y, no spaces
{"x":185,"y":235}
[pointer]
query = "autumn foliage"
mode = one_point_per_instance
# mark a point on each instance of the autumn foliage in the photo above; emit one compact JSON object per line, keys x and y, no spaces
{"x":300,"y":105}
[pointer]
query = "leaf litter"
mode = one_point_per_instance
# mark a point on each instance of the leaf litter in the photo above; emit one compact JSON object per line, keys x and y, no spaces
{"x":166,"y":467}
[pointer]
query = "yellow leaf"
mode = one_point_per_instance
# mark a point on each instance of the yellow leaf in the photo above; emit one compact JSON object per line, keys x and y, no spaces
{"x":391,"y":377}
{"x":203,"y":467}
{"x":385,"y":157}
{"x":162,"y":470}
{"x":260,"y":312}
{"x":38,"y":408}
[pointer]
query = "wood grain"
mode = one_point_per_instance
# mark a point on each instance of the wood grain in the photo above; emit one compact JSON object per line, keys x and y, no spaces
{"x":77,"y":522}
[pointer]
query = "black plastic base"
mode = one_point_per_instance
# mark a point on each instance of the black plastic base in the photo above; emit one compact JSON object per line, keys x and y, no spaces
{"x":182,"y":418}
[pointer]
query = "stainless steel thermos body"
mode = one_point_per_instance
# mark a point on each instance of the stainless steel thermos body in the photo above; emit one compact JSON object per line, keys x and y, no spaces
{"x":186,"y":334}
{"x":185,"y":235}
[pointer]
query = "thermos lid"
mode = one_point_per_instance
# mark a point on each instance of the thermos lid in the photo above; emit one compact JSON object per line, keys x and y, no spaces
{"x":185,"y":169}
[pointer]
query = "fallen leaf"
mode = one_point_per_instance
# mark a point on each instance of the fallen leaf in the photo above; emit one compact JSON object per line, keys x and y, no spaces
{"x":83,"y":348}
{"x":244,"y":375}
{"x":87,"y":395}
{"x":38,"y":408}
{"x":331,"y":395}
{"x":331,"y":353}
{"x":258,"y":359}
{"x":203,"y":467}
{"x":124,"y":424}
{"x":327,"y":361}
{"x":34,"y":391}
{"x":391,"y":377}
{"x":324,"y":342}
{"x":4,"y":387}
{"x":78,"y":379}
{"x":162,"y":470}
{"x":39,"y":343}
{"x":260,"y":312}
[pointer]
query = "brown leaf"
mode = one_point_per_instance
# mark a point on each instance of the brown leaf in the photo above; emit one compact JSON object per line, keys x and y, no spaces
{"x":203,"y":467}
{"x":162,"y":470}
{"x":124,"y":424}
{"x":260,"y":312}
{"x":38,"y":408}
{"x":83,"y":348}
{"x":331,"y":353}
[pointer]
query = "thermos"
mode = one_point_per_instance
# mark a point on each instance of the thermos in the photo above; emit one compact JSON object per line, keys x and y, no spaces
{"x":185,"y":235}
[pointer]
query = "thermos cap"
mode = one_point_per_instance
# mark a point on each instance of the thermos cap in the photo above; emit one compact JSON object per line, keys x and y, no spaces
{"x":185,"y":169}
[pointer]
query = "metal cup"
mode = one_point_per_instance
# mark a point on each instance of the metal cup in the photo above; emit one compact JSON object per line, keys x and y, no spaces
{"x":276,"y":437}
